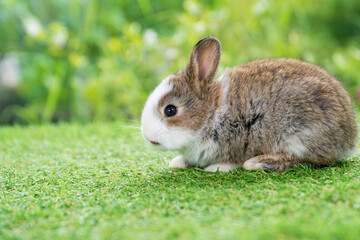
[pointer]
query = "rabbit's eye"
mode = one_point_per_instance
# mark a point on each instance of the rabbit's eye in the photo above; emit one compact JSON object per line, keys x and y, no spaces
{"x":170,"y":110}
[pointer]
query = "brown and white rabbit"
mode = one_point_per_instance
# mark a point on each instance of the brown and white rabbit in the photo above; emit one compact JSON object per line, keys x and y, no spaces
{"x":272,"y":114}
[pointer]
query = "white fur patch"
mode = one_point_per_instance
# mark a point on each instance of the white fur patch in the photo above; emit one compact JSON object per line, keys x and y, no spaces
{"x":163,"y":88}
{"x":352,"y":152}
{"x":225,"y":83}
{"x":294,"y":144}
{"x":252,"y":164}
{"x":197,"y":152}
{"x":348,"y":154}
{"x":153,"y":127}
{"x":178,"y":162}
{"x":296,"y":147}
{"x":201,"y":154}
{"x":221,"y":167}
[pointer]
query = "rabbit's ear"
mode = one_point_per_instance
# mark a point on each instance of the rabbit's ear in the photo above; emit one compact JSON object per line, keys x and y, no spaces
{"x":204,"y":62}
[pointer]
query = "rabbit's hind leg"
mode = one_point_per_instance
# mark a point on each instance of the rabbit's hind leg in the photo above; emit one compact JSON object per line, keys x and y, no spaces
{"x":272,"y":162}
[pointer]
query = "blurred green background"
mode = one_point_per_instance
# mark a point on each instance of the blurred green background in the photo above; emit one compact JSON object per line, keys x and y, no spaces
{"x":83,"y":60}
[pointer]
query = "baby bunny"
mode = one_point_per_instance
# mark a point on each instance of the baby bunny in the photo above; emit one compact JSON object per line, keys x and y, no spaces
{"x":272,"y":114}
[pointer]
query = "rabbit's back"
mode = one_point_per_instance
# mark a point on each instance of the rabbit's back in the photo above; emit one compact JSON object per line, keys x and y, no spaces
{"x":286,"y":105}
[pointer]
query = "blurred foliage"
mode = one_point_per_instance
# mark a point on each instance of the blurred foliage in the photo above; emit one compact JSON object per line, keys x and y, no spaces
{"x":85,"y":60}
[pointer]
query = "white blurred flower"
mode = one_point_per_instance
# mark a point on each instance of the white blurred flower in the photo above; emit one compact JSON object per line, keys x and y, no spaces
{"x":294,"y":37}
{"x":339,"y":60}
{"x":179,"y":37}
{"x":192,"y":6}
{"x":59,"y":39}
{"x":261,"y":7}
{"x":10,"y":71}
{"x":171,"y":54}
{"x":134,"y":27}
{"x":224,"y":13}
{"x":32,"y":26}
{"x":309,"y":57}
{"x":200,"y":27}
{"x":150,"y":37}
{"x":59,"y":34}
{"x":356,"y":54}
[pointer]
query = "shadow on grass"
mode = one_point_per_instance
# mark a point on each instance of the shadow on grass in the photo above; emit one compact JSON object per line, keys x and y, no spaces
{"x":195,"y":178}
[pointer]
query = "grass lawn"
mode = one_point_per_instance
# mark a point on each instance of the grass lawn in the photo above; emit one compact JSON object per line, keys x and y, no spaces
{"x":101,"y":181}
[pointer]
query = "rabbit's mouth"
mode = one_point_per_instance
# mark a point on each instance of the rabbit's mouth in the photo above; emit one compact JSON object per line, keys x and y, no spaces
{"x":154,"y":143}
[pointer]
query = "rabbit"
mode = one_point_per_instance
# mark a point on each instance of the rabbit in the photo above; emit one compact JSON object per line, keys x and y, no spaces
{"x":270,"y":114}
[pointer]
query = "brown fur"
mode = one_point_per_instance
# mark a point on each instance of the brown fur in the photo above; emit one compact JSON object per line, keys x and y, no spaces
{"x":192,"y":95}
{"x":289,"y":96}
{"x":195,"y":108}
{"x":270,"y":104}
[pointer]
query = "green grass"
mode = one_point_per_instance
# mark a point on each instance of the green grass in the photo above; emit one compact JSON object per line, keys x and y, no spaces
{"x":101,"y":181}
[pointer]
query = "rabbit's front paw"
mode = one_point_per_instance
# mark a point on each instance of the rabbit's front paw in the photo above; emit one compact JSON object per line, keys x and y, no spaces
{"x":178,"y":162}
{"x":221,"y":167}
